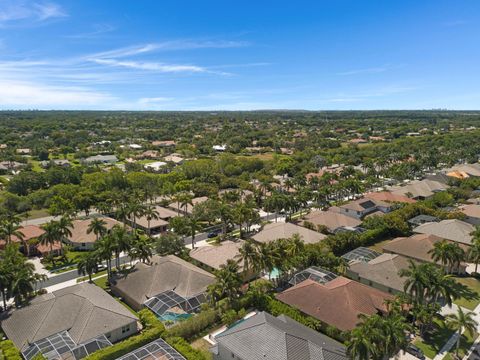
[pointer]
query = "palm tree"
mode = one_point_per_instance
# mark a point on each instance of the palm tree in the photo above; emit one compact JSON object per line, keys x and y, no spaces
{"x":51,"y":235}
{"x":104,"y":249}
{"x":98,"y":226}
{"x":150,"y":213}
{"x":193,"y":225}
{"x":88,"y":264}
{"x":227,"y":285}
{"x":122,"y":241}
{"x":23,"y":283}
{"x":474,"y":253}
{"x":416,"y":280}
{"x":249,"y":256}
{"x":10,"y":227}
{"x":135,"y":210}
{"x":64,"y":225}
{"x":462,"y":321}
{"x":441,"y":253}
{"x":142,"y":250}
{"x":363,"y":344}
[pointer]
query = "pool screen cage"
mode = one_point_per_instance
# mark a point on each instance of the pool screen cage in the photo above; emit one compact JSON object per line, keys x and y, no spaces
{"x":61,"y":346}
{"x":314,"y":273}
{"x":167,"y":300}
{"x":156,"y":350}
{"x":362,"y":254}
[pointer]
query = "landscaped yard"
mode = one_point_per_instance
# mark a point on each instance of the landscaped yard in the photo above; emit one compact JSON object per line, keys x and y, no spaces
{"x":432,"y":345}
{"x":469,"y":301}
{"x":465,"y":344}
{"x":102,"y":282}
{"x":202,"y":344}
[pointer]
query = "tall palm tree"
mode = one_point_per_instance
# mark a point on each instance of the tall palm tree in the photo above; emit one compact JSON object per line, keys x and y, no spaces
{"x":122,"y":240}
{"x":98,"y":226}
{"x":141,"y":249}
{"x":474,"y":253}
{"x":441,"y":253}
{"x":51,"y":234}
{"x":462,"y":321}
{"x":9,"y":227}
{"x":104,"y":249}
{"x":363,"y":344}
{"x":415,"y":280}
{"x":135,"y":210}
{"x":88,"y":264}
{"x":249,"y":256}
{"x":193,"y":225}
{"x":150,"y":212}
{"x":64,"y":227}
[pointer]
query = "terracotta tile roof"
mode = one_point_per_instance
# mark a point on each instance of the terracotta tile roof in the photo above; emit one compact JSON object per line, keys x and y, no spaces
{"x":80,"y":227}
{"x":389,"y":197}
{"x":45,"y":249}
{"x":29,"y":232}
{"x":338,"y":302}
{"x":214,"y":256}
{"x":331,"y":219}
{"x":471,"y":210}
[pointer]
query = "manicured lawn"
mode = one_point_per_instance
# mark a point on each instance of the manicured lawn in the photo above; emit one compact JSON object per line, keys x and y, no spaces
{"x":36,"y":166}
{"x":469,"y":301}
{"x":432,"y":345}
{"x":35,"y":214}
{"x":202,"y":344}
{"x":94,"y":276}
{"x":68,"y":264}
{"x":465,"y":344}
{"x":102,"y":282}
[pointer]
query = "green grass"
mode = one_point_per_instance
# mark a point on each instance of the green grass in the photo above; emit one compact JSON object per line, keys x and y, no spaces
{"x":36,"y":166}
{"x":202,"y":344}
{"x":72,"y":257}
{"x":438,"y":337}
{"x":36,"y":214}
{"x":101,"y":282}
{"x":466,"y":342}
{"x":94,"y":276}
{"x":471,"y":301}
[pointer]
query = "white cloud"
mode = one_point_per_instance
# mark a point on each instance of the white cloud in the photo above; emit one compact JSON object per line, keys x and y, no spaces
{"x":155,"y":100}
{"x":22,"y":94}
{"x":151,"y":66}
{"x":23,"y":13}
{"x":98,"y":30}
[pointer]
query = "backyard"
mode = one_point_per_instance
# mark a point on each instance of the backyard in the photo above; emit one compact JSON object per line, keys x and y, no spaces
{"x":471,"y":299}
{"x":432,"y":344}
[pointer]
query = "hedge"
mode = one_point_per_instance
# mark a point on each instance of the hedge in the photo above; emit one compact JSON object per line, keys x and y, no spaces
{"x":194,"y":325}
{"x":184,"y":348}
{"x":8,"y":351}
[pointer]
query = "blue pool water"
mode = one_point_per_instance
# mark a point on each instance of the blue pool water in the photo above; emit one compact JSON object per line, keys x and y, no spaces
{"x":275,"y":273}
{"x":173,"y":317}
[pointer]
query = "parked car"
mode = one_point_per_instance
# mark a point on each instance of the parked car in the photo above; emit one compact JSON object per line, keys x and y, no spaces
{"x":214,"y":233}
{"x":415,"y":351}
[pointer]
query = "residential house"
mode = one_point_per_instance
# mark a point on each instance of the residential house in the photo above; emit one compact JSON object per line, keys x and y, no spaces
{"x":81,"y":239}
{"x":419,"y":189}
{"x":155,"y":166}
{"x":381,"y":272}
{"x":164,"y":143}
{"x":388,"y":197}
{"x":31,"y":235}
{"x":23,"y":151}
{"x":464,"y":171}
{"x":168,"y":286}
{"x":338,"y":302}
{"x":472,"y":213}
{"x":417,"y":247}
{"x":69,"y":323}
{"x":212,"y":257}
{"x":189,"y":207}
{"x":363,"y":207}
{"x":101,"y":159}
{"x":174,"y":158}
{"x":264,"y":336}
{"x":55,"y":162}
{"x":453,"y":229}
{"x":281,"y":230}
{"x":422,"y":219}
{"x":332,"y":219}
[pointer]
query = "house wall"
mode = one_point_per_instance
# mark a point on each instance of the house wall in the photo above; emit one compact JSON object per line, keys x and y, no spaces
{"x":225,"y":354}
{"x":82,"y":246}
{"x":122,"y":332}
{"x":354,"y":276}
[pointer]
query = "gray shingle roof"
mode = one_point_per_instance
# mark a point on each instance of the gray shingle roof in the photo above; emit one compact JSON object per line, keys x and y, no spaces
{"x":263,"y":337}
{"x":453,"y":229}
{"x":275,"y":231}
{"x":85,"y":310}
{"x":166,"y":273}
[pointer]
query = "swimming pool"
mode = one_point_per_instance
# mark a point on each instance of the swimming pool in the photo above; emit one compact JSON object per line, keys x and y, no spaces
{"x":168,"y":316}
{"x":275,"y":273}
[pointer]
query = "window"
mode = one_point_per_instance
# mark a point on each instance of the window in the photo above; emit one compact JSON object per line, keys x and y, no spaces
{"x":125,"y":329}
{"x":83,"y":244}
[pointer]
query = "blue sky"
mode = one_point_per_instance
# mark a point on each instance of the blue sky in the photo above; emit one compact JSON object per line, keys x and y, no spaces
{"x":239,"y":55}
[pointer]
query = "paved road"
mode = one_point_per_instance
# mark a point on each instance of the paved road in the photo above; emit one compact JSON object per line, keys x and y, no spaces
{"x":70,"y":275}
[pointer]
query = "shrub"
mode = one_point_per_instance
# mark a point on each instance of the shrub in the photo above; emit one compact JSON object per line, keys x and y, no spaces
{"x":8,"y":351}
{"x":194,"y":325}
{"x":185,"y":349}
